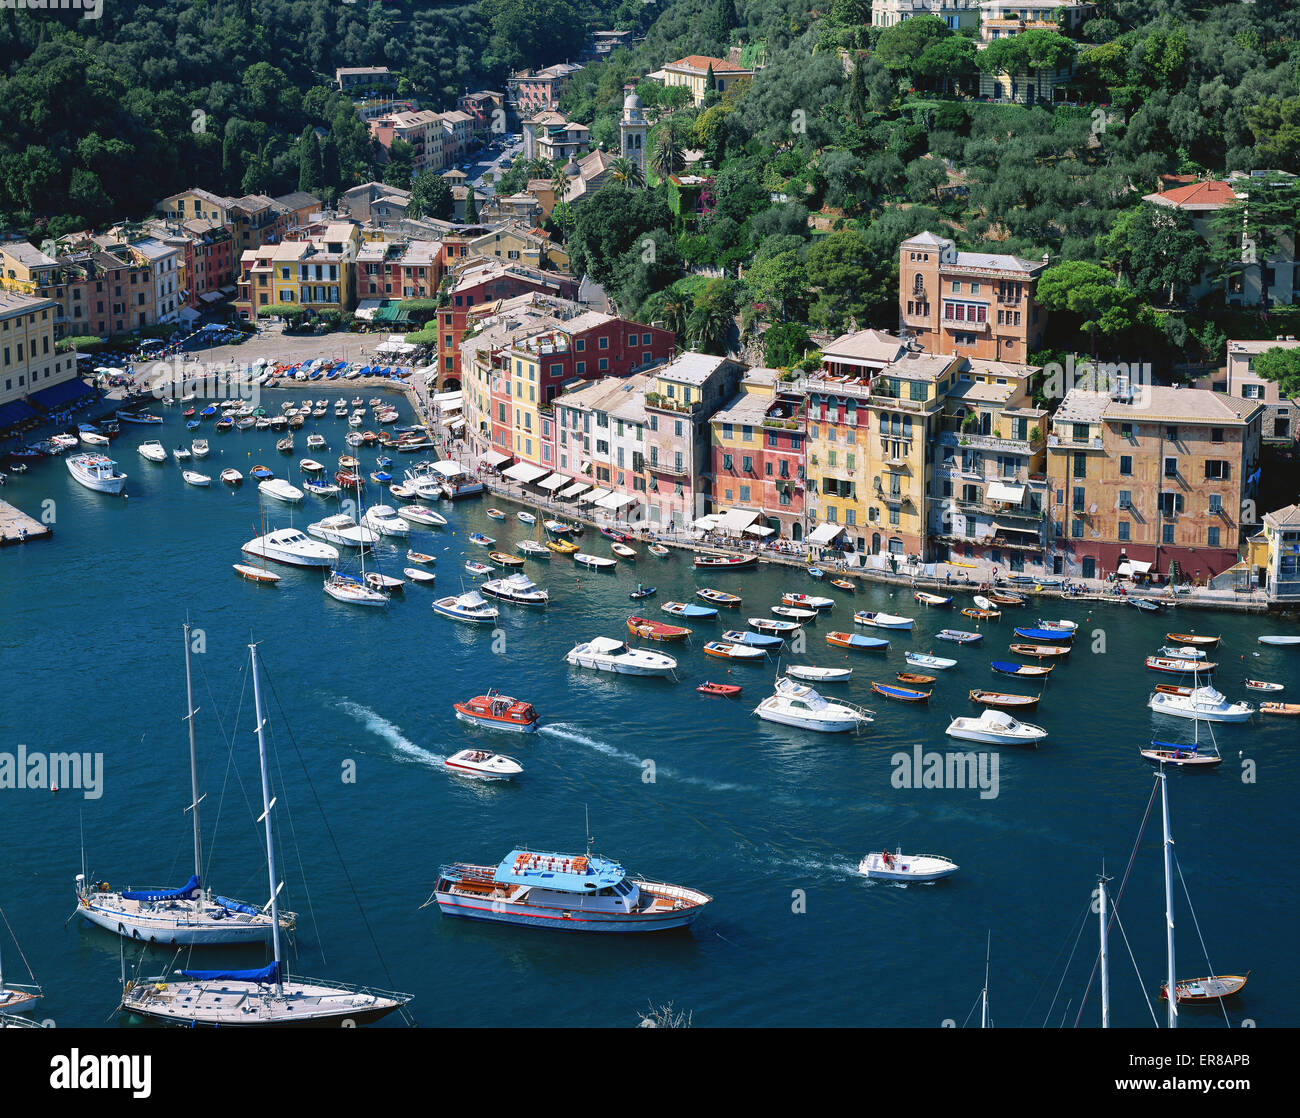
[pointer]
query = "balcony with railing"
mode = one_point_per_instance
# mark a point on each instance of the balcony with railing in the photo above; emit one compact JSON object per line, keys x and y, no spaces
{"x":1061,"y":442}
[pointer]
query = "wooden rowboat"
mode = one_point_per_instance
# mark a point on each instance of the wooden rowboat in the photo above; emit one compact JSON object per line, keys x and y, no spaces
{"x":982,"y":614}
{"x":1279,"y":708}
{"x":1003,"y":700}
{"x":1040,"y":651}
{"x":914,"y":677}
{"x":843,"y":584}
{"x":1202,"y":990}
{"x":656,"y":630}
{"x":255,"y":574}
{"x":1192,"y":639}
{"x":902,"y":694}
{"x":1002,"y":599}
{"x":504,"y":560}
{"x":1173,"y":689}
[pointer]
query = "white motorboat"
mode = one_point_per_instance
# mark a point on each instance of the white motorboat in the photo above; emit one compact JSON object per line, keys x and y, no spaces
{"x":315,"y":442}
{"x":97,"y":472}
{"x":881,"y":620}
{"x":484,"y":764}
{"x":348,"y":588}
{"x":797,"y":704}
{"x":1185,"y":652}
{"x":321,"y":488}
{"x":181,"y":454}
{"x":608,"y":654}
{"x":292,"y":548}
{"x":517,"y":588}
{"x":152,"y":451}
{"x":1061,"y":625}
{"x":199,"y":448}
{"x":232,"y":477}
{"x":924,"y":660}
{"x":996,"y":727}
{"x":425,"y":518}
{"x":343,"y":530}
{"x":813,"y":674}
{"x":198,"y":480}
{"x":884,"y":866}
{"x":1205,"y":703}
{"x":471,"y":606}
{"x":281,"y":490}
{"x":385,"y":520}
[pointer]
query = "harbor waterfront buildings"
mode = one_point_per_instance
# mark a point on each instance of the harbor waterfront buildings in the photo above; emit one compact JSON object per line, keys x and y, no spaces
{"x":31,"y":368}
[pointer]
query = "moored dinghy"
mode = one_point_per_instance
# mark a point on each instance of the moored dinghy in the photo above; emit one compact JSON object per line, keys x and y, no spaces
{"x":925,"y":660}
{"x":1003,"y":700}
{"x":813,"y":674}
{"x":958,"y":636}
{"x":857,"y":641}
{"x":901,"y":694}
{"x":927,"y":599}
{"x":881,"y":620}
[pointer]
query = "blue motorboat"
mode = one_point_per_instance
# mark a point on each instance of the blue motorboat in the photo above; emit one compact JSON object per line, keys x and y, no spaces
{"x":192,"y":425}
{"x":383,"y":461}
{"x":569,"y":892}
{"x":758,"y":640}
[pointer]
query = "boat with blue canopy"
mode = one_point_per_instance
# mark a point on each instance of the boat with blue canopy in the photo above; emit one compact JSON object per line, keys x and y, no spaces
{"x":1047,"y":636}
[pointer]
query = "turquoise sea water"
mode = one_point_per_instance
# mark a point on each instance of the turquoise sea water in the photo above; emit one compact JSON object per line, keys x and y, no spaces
{"x":770,"y":821}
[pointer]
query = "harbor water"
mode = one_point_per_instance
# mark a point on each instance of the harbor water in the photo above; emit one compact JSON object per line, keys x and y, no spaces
{"x":677,"y":786}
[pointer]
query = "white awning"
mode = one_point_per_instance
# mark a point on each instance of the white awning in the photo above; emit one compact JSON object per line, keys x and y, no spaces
{"x":618,"y":500}
{"x":442,"y":399}
{"x":735,"y":521}
{"x":574,"y":489}
{"x":525,"y":472}
{"x":455,"y":424}
{"x":495,"y":458}
{"x":1131,"y":567}
{"x":706,"y":523}
{"x":595,"y":496}
{"x":824,"y":533}
{"x":450,"y":407}
{"x":553,"y":482}
{"x":1010,"y":494}
{"x":449,"y":468}
{"x":759,"y":530}
{"x":1014,"y":528}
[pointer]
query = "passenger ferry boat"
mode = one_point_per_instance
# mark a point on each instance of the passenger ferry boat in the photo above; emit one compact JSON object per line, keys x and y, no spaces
{"x":499,"y":712}
{"x":571,"y":892}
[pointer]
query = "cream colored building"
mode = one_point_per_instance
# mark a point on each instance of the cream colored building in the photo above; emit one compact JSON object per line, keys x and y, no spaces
{"x":28,"y":361}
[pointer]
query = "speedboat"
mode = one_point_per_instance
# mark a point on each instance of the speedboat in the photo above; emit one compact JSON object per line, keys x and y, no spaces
{"x":193,"y":477}
{"x":291,"y":547}
{"x":814,"y":674}
{"x":321,"y":488}
{"x":281,"y":490}
{"x":498,"y":712}
{"x":343,"y":530}
{"x":995,"y":727}
{"x":608,"y":654}
{"x":153,"y":451}
{"x":688,"y":609}
{"x":881,"y":620}
{"x":570,"y":892}
{"x":1204,"y":703}
{"x":924,"y":660}
{"x":425,"y":518}
{"x":517,"y":588}
{"x":484,"y":764}
{"x":884,"y":866}
{"x":97,"y":472}
{"x":385,"y":520}
{"x":470,"y":606}
{"x":797,"y":704}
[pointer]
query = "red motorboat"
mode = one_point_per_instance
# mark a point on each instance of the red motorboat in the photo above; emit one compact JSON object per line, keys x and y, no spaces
{"x":498,"y":712}
{"x":726,"y":690}
{"x":656,"y":630}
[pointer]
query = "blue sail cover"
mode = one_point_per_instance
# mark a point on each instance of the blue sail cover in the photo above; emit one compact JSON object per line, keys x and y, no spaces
{"x":188,"y":892}
{"x":266,"y":974}
{"x":237,"y":906}
{"x":1184,"y":747}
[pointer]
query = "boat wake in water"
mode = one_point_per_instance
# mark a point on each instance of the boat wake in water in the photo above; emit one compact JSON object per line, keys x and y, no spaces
{"x":403,"y":748}
{"x":570,"y":733}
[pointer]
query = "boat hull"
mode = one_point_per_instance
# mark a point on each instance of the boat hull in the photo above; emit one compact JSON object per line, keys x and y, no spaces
{"x":173,"y":928}
{"x":573,"y":919}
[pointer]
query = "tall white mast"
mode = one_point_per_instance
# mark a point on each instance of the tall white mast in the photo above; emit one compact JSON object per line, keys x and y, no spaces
{"x":984,"y":994}
{"x":194,"y":763}
{"x":267,"y":804}
{"x":1105,"y":956}
{"x":1172,"y":988}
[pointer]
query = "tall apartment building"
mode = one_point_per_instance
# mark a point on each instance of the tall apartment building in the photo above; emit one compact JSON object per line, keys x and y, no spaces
{"x":30,"y":368}
{"x":534,"y":91}
{"x":317,"y":274}
{"x":972,"y":304}
{"x":957,"y":14}
{"x":1158,"y":482}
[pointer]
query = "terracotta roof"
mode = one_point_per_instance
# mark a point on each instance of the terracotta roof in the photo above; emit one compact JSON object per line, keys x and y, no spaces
{"x":1212,"y":193}
{"x":703,"y":62}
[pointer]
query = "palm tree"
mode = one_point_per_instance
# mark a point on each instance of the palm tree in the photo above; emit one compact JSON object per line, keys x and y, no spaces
{"x":667,"y":156}
{"x":626,"y":171}
{"x":709,"y":324}
{"x":675,"y":313}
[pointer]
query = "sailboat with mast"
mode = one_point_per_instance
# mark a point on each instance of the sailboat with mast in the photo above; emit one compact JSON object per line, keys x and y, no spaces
{"x":268,"y":995}
{"x":343,"y":587}
{"x":1183,"y":755}
{"x":191,"y":915}
{"x":17,"y":997}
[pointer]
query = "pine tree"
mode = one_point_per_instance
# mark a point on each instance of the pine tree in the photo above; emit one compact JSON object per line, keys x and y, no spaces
{"x":471,"y":205}
{"x":309,"y":161}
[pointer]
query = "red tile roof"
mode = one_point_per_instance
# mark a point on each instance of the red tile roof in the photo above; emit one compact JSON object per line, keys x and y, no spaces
{"x":1200,"y":194}
{"x":703,"y":62}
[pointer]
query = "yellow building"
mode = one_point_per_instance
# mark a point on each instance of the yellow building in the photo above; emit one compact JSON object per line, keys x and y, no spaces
{"x":315,"y":275}
{"x":693,"y":72}
{"x":29,"y":363}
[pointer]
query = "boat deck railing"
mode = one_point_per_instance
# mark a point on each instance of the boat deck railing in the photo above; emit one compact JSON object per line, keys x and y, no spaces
{"x":466,"y":870}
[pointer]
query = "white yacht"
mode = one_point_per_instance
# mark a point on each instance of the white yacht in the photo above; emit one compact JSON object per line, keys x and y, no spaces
{"x":97,"y":472}
{"x":1204,"y":703}
{"x":153,"y":451}
{"x":343,"y":530}
{"x":607,"y":654}
{"x":517,"y":588}
{"x":471,"y":606}
{"x":418,"y":514}
{"x":385,"y":520}
{"x":796,"y":704}
{"x":996,"y":727}
{"x":281,"y":490}
{"x":291,"y":547}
